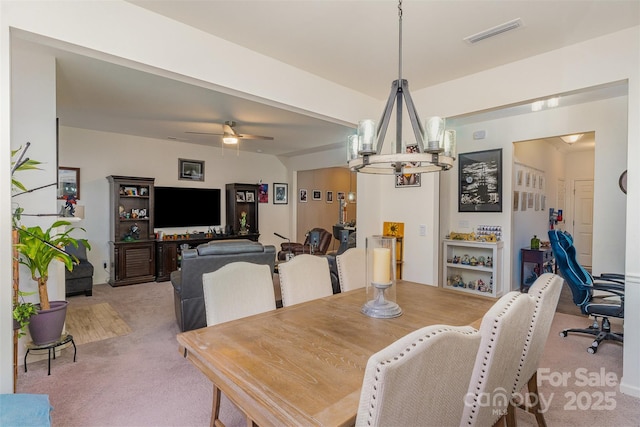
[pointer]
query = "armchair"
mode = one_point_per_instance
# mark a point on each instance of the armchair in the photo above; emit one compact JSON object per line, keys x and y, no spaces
{"x":583,"y":285}
{"x":80,"y":279}
{"x":323,"y":242}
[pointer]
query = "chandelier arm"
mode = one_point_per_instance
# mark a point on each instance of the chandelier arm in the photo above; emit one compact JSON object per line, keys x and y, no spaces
{"x":386,"y":116}
{"x":399,"y":104}
{"x":418,"y":131}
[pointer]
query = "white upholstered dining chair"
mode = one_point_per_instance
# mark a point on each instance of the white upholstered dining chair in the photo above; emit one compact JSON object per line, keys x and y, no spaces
{"x":503,"y":332}
{"x":352,"y":269}
{"x":304,"y":278}
{"x":421,"y":379}
{"x":545,"y":292}
{"x":236,"y":290}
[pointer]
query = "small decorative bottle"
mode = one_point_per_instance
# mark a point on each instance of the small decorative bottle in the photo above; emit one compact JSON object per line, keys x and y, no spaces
{"x":535,"y":242}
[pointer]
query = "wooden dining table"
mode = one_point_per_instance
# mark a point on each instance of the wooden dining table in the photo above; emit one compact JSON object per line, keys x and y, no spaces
{"x":304,"y":364}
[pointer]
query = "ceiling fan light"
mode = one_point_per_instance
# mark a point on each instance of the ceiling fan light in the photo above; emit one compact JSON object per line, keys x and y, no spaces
{"x":228,"y":139}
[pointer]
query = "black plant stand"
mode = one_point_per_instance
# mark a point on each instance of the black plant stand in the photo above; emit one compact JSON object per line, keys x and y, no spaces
{"x":51,"y":348}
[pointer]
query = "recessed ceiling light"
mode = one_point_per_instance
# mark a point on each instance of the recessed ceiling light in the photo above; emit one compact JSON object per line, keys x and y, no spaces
{"x":570,"y":139}
{"x":537,"y":106}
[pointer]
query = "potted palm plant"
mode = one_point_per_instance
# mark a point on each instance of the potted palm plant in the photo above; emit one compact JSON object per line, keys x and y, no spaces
{"x":36,"y":249}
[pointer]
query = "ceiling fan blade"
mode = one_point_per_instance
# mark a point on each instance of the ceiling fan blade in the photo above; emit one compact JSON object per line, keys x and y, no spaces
{"x":244,"y":136}
{"x":204,"y":133}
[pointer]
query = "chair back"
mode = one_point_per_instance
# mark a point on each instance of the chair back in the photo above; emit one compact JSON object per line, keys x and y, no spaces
{"x":579,"y":280}
{"x":79,"y":252}
{"x":352,"y":269}
{"x":545,"y":292}
{"x":324,"y":240}
{"x":503,"y":331}
{"x":237,"y":290}
{"x":421,"y":379}
{"x":304,"y":278}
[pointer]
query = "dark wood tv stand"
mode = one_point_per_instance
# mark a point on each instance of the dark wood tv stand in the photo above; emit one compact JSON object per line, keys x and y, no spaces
{"x":168,"y":250}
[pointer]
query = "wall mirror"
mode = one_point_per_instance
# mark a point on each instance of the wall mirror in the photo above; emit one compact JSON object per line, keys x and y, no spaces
{"x":68,"y":182}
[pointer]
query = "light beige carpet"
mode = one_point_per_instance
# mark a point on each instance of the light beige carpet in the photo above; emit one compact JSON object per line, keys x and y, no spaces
{"x":94,"y":323}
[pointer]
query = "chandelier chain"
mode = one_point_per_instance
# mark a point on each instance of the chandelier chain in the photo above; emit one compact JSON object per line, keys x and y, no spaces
{"x":400,"y":40}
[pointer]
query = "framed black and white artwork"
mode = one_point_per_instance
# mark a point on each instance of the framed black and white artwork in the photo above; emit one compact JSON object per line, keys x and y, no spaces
{"x":480,"y":181}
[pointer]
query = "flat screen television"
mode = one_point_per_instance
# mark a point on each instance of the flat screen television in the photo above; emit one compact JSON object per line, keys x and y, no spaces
{"x":186,"y":207}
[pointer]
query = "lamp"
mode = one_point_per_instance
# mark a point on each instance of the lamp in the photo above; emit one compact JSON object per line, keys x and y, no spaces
{"x":365,"y":149}
{"x":570,"y":139}
{"x":351,"y":196}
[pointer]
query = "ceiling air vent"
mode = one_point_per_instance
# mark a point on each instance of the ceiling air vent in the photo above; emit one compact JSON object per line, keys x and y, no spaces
{"x":498,"y":29}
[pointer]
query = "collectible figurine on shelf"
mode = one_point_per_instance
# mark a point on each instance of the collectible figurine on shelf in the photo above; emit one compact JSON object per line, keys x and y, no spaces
{"x":465,"y":259}
{"x":457,"y":281}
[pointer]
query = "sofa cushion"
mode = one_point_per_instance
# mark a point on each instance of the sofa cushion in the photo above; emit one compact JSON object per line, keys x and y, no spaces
{"x":84,"y":269}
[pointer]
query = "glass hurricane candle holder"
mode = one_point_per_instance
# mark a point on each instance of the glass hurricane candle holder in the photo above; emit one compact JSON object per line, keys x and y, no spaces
{"x":381,"y":278}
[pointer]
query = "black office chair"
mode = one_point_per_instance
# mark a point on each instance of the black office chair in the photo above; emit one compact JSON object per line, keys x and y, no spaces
{"x":583,"y":285}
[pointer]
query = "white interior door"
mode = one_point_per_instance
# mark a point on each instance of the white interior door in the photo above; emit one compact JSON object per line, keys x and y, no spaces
{"x":583,"y":221}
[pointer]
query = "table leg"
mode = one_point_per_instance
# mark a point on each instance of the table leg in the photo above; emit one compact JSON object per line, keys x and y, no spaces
{"x":215,"y":407}
{"x":25,"y":360}
{"x":49,"y":359}
{"x":75,"y":350}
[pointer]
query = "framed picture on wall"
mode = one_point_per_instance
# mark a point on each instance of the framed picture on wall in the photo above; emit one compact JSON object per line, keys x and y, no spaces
{"x":329,"y":196}
{"x":302,"y":198}
{"x":68,"y":183}
{"x":317,"y":195}
{"x":263,"y":193}
{"x":480,"y":181}
{"x":192,"y":170}
{"x":409,"y":179}
{"x":280,"y":193}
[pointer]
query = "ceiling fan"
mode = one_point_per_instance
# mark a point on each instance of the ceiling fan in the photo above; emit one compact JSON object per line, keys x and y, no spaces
{"x":230,"y":136}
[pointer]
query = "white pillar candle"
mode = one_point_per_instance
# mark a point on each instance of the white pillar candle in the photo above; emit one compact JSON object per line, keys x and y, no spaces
{"x":381,"y":265}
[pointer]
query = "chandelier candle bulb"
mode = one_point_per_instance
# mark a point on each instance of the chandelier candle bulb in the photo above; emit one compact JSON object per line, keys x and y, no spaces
{"x":449,"y":143}
{"x":433,"y":130}
{"x":366,"y":136}
{"x":352,"y":147}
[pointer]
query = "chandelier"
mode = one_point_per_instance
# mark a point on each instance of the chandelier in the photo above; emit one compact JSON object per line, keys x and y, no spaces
{"x":434,"y":148}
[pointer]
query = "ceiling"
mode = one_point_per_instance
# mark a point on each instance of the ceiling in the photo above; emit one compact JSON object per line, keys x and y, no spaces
{"x":341,"y":41}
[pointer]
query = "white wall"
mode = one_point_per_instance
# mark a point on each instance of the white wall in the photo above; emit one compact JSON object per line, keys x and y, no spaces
{"x":99,"y":154}
{"x":34,"y":120}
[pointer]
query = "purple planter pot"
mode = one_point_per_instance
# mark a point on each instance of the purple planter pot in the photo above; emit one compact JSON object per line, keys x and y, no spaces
{"x":46,"y":326}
